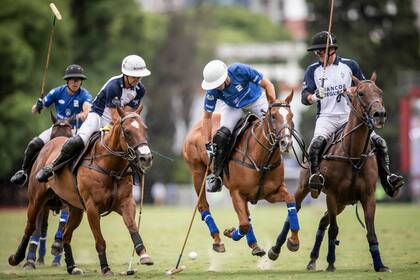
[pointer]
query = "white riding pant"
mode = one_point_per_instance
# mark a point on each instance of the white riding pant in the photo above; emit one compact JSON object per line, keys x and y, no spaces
{"x":326,"y":125}
{"x":92,"y":124}
{"x":46,"y":134}
{"x":230,"y":116}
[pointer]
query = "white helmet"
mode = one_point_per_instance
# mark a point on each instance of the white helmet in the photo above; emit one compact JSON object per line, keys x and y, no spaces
{"x":214,"y":74}
{"x":134,"y":66}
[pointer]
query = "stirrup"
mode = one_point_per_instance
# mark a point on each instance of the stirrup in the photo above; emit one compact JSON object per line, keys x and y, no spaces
{"x":45,"y":173}
{"x":213,"y":183}
{"x":19,"y":178}
{"x":316,"y":183}
{"x":395,"y":182}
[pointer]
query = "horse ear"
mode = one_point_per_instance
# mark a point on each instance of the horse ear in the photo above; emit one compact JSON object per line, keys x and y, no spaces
{"x":289,"y":98}
{"x":356,"y":81}
{"x":351,"y":91}
{"x":120,"y":111}
{"x":373,"y":78}
{"x":139,"y":109}
{"x":53,"y":118}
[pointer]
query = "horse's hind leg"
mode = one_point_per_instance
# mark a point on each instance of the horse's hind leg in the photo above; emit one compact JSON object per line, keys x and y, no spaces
{"x":42,"y":249}
{"x":198,"y":175}
{"x":369,"y":207}
{"x":75,"y":217}
{"x":32,"y":212}
{"x":332,"y":231}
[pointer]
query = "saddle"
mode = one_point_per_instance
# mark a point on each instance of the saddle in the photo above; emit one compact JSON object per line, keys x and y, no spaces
{"x":243,"y":124}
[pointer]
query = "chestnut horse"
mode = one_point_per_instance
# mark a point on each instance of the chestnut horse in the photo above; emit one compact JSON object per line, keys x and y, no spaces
{"x":255,"y":171}
{"x":103,"y":184}
{"x":350,"y":171}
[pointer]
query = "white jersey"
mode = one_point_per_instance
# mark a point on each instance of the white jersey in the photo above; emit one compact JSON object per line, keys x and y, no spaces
{"x":338,"y":77}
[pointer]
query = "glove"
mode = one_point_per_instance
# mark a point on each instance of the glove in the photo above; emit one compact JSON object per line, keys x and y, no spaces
{"x":319,"y":94}
{"x":211,"y":149}
{"x":39,"y":105}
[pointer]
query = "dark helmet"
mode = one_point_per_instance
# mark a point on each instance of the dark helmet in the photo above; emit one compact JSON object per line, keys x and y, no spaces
{"x":74,"y":71}
{"x":319,"y":41}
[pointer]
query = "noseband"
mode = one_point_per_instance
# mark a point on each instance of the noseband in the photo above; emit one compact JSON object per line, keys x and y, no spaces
{"x":274,"y":133}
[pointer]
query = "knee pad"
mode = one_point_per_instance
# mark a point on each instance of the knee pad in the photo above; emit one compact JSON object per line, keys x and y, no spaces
{"x":72,"y":145}
{"x":222,"y":135}
{"x":318,"y":142}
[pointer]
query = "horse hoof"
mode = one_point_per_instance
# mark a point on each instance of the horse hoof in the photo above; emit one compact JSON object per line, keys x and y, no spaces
{"x":311,"y":265}
{"x":331,"y":268}
{"x":76,"y":271}
{"x":272,"y":254}
{"x":12,"y":260}
{"x":106,"y":271}
{"x":257,"y":251}
{"x":293,"y":247}
{"x":29,"y":265}
{"x":55,"y":264}
{"x":228,"y":232}
{"x":57,"y":248}
{"x":146,"y":260}
{"x":384,"y":269}
{"x":219,"y":247}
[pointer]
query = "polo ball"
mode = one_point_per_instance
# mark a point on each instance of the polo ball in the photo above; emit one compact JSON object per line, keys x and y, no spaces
{"x":192,"y":255}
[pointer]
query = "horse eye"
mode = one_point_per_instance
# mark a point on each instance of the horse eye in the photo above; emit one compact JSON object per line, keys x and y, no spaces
{"x":361,"y":94}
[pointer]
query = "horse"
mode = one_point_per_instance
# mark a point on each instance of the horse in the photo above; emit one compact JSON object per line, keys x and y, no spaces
{"x":254,"y":171}
{"x":103,"y":183}
{"x":59,"y":128}
{"x":350,"y":171}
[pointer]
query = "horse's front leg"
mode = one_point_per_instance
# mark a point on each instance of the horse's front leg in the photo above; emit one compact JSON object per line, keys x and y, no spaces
{"x":128,"y":212}
{"x":198,"y":175}
{"x":369,"y":208}
{"x":251,"y":239}
{"x":74,"y":220}
{"x":100,"y":244}
{"x":292,"y":223}
{"x":332,"y":231}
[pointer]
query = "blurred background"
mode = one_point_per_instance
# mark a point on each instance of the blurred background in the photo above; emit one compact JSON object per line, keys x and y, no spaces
{"x":177,"y":38}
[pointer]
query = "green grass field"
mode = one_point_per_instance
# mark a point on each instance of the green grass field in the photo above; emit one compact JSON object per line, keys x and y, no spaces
{"x":163,"y":231}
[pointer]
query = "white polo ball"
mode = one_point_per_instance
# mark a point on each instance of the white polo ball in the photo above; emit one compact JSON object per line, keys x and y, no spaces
{"x":192,"y":255}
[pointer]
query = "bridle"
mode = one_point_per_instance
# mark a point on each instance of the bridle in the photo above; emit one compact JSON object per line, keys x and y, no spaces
{"x":130,"y":155}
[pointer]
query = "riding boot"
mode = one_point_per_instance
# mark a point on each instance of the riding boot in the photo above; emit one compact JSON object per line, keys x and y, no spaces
{"x":316,"y":181}
{"x":390,"y":182}
{"x":221,"y":141}
{"x":33,"y":148}
{"x":70,"y":148}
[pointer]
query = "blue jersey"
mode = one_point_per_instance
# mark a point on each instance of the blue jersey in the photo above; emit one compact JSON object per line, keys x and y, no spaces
{"x":244,"y":88}
{"x":114,"y":89}
{"x":67,"y":106}
{"x":338,"y":77}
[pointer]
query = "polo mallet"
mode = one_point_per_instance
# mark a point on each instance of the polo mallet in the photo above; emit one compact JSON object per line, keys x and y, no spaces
{"x":182,"y":267}
{"x":327,"y":48}
{"x":130,"y":270}
{"x":57,"y":15}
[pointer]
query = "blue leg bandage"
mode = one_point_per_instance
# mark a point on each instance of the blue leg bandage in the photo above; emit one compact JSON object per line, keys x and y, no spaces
{"x":33,"y":244}
{"x":57,"y":259}
{"x":42,"y":246}
{"x":237,"y":234}
{"x":376,"y":256}
{"x":250,"y":236}
{"x":292,"y":215}
{"x":64,"y":216}
{"x":318,"y":241}
{"x":206,"y":216}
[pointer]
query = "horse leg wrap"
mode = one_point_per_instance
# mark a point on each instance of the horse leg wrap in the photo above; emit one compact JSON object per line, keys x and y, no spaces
{"x":103,"y":262}
{"x":237,"y":234}
{"x":138,"y":243}
{"x":331,"y":251}
{"x":42,"y":245}
{"x":376,"y":256}
{"x":250,"y":236}
{"x":292,"y":215}
{"x":318,"y":241}
{"x":68,"y":257}
{"x":281,"y":238}
{"x":33,"y":245}
{"x":206,"y":217}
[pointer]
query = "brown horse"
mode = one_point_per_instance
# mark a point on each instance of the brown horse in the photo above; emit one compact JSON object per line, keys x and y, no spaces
{"x":350,"y":171}
{"x":59,"y":128}
{"x":103,"y":184}
{"x":255,"y":171}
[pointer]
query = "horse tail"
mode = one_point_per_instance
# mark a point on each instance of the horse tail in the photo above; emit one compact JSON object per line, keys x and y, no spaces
{"x":358,"y":217}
